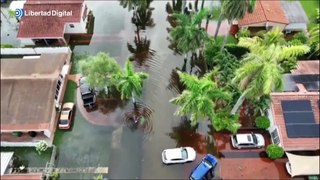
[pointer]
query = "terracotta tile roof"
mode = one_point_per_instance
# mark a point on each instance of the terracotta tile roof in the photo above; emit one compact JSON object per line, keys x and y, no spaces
{"x":265,"y":11}
{"x":48,"y":26}
{"x":31,"y":176}
{"x":294,"y":143}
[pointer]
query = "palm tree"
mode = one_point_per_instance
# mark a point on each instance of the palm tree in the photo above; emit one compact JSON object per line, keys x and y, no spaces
{"x":232,"y":10}
{"x":314,"y":40}
{"x":130,"y":83}
{"x":261,"y":73}
{"x":188,"y":36}
{"x":199,"y":98}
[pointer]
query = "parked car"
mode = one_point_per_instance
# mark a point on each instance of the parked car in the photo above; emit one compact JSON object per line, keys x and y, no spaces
{"x":88,"y":94}
{"x":178,"y":155}
{"x":288,"y":167}
{"x":205,"y":169}
{"x":66,"y":115}
{"x":247,"y":141}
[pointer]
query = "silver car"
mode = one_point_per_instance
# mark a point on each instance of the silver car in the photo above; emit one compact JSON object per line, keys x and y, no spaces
{"x":247,"y":141}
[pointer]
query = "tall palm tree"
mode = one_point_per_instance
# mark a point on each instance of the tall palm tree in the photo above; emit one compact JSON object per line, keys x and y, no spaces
{"x":130,"y":82}
{"x":232,"y":10}
{"x":261,"y":73}
{"x":188,"y":36}
{"x":199,"y":97}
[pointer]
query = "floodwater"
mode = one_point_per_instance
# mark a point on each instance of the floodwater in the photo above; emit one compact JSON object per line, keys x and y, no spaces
{"x":139,"y":155}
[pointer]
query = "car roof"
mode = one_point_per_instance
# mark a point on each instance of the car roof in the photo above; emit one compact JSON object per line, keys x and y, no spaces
{"x":201,"y":170}
{"x":243,"y":138}
{"x":173,"y":153}
{"x":84,"y":88}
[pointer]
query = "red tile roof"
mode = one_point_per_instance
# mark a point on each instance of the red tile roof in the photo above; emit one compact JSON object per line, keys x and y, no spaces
{"x":48,"y":26}
{"x":31,"y":176}
{"x":307,"y":67}
{"x":294,"y":143}
{"x":265,"y":11}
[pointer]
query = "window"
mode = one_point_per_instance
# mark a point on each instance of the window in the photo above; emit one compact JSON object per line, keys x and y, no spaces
{"x":71,"y":25}
{"x":275,"y":136}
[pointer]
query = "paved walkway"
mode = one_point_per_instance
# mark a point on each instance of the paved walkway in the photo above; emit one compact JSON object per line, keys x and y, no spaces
{"x":101,"y":116}
{"x":247,"y":163}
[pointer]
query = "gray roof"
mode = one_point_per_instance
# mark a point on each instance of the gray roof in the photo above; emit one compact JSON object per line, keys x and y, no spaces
{"x":27,"y":91}
{"x":294,"y":12}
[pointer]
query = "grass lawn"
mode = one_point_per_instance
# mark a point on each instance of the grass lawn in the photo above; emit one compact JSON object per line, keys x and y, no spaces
{"x":70,"y":94}
{"x":309,"y":7}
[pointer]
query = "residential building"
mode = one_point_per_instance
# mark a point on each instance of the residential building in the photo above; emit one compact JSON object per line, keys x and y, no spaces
{"x":32,"y":90}
{"x":7,"y":169}
{"x":66,"y":18}
{"x":294,"y":113}
{"x":286,"y":15}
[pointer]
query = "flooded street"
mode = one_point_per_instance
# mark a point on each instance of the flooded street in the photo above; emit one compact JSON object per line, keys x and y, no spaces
{"x":139,"y":155}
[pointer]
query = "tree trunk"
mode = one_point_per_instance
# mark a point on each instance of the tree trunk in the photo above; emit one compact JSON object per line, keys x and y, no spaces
{"x":202,"y":4}
{"x":133,"y":100}
{"x":207,"y":22}
{"x":226,"y":36}
{"x":238,"y":104}
{"x":196,"y":5}
{"x":218,"y":26}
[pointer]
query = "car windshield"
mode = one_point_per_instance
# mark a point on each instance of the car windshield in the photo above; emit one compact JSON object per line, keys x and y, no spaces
{"x":184,"y":153}
{"x":207,"y":163}
{"x":254,"y":137}
{"x":63,"y":121}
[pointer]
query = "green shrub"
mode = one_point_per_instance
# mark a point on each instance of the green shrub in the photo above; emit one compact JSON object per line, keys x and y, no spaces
{"x":54,"y":175}
{"x":237,"y":51}
{"x":17,"y":133}
{"x":244,"y":32}
{"x":274,"y":151}
{"x":41,"y":146}
{"x":98,"y":177}
{"x":7,"y":46}
{"x":302,"y":37}
{"x":262,"y":122}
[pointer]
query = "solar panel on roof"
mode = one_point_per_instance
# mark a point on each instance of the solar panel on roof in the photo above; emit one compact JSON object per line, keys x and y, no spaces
{"x":296,"y":105}
{"x":303,"y":130}
{"x":312,"y":86}
{"x":299,"y":117}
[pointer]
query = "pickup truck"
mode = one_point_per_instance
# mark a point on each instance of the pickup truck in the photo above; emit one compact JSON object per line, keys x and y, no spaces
{"x":88,"y":95}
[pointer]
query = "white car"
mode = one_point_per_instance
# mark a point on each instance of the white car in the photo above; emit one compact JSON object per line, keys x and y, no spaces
{"x":66,"y":115}
{"x":247,"y":141}
{"x":178,"y":155}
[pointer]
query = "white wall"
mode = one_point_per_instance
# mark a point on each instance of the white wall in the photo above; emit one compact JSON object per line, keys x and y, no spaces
{"x":79,"y":27}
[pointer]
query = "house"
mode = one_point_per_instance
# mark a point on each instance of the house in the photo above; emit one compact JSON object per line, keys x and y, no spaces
{"x":288,"y":16}
{"x":52,"y":22}
{"x":32,"y":90}
{"x":294,"y":113}
{"x":7,"y":169}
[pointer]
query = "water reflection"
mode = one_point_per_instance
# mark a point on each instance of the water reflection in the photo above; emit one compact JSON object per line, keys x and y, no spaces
{"x":141,"y":52}
{"x":186,"y":135}
{"x":175,"y":85}
{"x":139,"y":117}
